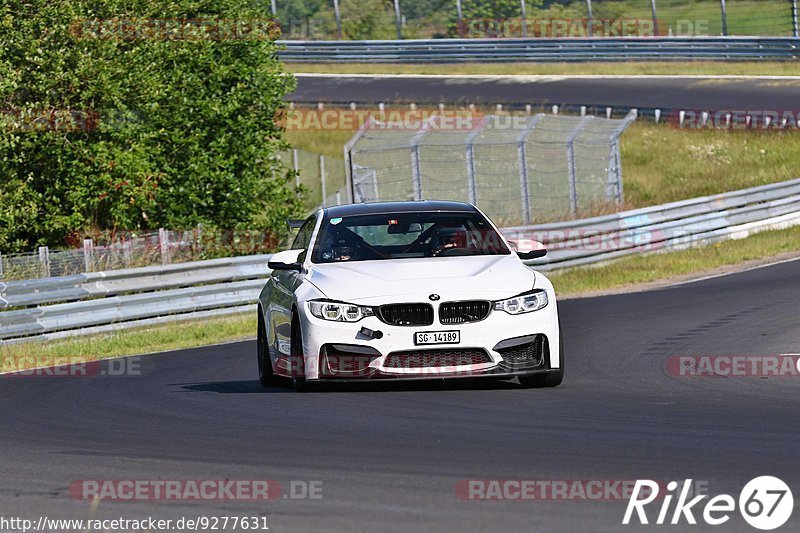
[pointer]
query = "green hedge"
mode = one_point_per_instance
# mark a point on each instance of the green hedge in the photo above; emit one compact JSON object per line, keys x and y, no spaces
{"x":120,"y":115}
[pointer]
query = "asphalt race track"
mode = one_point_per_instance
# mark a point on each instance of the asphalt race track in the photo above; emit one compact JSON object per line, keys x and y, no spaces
{"x":692,"y":93}
{"x":389,"y":457}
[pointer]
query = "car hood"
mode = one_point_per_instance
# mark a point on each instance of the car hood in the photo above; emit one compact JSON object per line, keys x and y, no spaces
{"x":384,"y":281}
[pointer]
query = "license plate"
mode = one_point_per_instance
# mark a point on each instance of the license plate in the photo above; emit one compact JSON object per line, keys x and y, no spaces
{"x":437,"y":337}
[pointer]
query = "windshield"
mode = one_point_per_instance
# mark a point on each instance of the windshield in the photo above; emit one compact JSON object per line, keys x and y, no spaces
{"x":406,"y":235}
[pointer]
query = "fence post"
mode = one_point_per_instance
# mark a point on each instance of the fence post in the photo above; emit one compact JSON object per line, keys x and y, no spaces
{"x":44,"y":261}
{"x":322,"y":179}
{"x":522,"y":153}
{"x":524,"y":17}
{"x":459,"y":19}
{"x":573,"y":178}
{"x":88,"y":255}
{"x":296,"y":167}
{"x":397,"y":20}
{"x":589,"y":17}
{"x":795,"y":26}
{"x":348,"y":158}
{"x":416,"y":172}
{"x":724,"y":17}
{"x":655,"y":17}
{"x":338,"y":16}
{"x":615,"y":174}
{"x":416,"y":175}
{"x":614,"y":187}
{"x":472,"y":186}
{"x":163,"y":242}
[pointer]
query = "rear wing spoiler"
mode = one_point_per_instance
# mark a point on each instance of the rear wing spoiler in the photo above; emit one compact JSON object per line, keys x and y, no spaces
{"x":295,"y":223}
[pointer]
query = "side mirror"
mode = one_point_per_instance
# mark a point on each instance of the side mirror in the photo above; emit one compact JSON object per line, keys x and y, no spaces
{"x":533,"y":254}
{"x":529,"y":249}
{"x":286,"y":260}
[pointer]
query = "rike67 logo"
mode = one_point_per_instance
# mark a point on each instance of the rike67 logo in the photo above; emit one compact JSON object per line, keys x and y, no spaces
{"x":765,"y":503}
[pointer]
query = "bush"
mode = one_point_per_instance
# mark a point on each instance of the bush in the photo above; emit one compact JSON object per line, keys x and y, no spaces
{"x":107,"y":126}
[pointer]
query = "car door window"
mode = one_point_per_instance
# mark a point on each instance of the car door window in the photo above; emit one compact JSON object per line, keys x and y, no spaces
{"x":303,"y":239}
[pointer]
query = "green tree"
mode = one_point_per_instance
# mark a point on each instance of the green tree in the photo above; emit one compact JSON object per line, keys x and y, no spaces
{"x":138,"y":123}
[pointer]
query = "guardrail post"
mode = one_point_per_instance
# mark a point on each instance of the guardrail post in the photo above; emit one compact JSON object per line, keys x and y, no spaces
{"x":163,"y":242}
{"x":44,"y":261}
{"x":88,"y":255}
{"x":524,"y":18}
{"x":724,"y":17}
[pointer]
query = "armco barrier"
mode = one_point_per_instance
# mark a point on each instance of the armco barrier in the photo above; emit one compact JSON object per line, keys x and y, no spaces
{"x":99,"y":301}
{"x":573,"y":49}
{"x":675,"y":225}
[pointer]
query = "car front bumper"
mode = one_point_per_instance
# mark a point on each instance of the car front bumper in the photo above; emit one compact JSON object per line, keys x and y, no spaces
{"x":340,"y":351}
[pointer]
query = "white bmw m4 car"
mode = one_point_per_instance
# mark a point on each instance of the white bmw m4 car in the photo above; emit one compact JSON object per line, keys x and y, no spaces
{"x":406,"y":290}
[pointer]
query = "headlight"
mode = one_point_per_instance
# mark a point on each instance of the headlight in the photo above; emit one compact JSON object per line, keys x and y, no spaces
{"x":523,"y":303}
{"x":338,"y":311}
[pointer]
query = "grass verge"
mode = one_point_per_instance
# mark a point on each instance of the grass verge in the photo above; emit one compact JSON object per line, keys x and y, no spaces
{"x":159,"y":338}
{"x":663,"y":266}
{"x":663,"y":68}
{"x":623,"y":273}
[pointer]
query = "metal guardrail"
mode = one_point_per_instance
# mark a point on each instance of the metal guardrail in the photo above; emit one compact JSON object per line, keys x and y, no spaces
{"x":97,"y":301}
{"x":672,"y":226}
{"x":573,"y":49}
{"x":102,"y":301}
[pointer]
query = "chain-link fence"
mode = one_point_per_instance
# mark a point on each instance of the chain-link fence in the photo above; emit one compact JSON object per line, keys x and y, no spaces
{"x":425,"y":19}
{"x":323,"y":177}
{"x":126,"y":250}
{"x":518,"y":169}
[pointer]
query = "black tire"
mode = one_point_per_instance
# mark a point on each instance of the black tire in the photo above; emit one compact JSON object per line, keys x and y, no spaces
{"x":298,"y":361}
{"x":266,"y":376}
{"x":550,"y":379}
